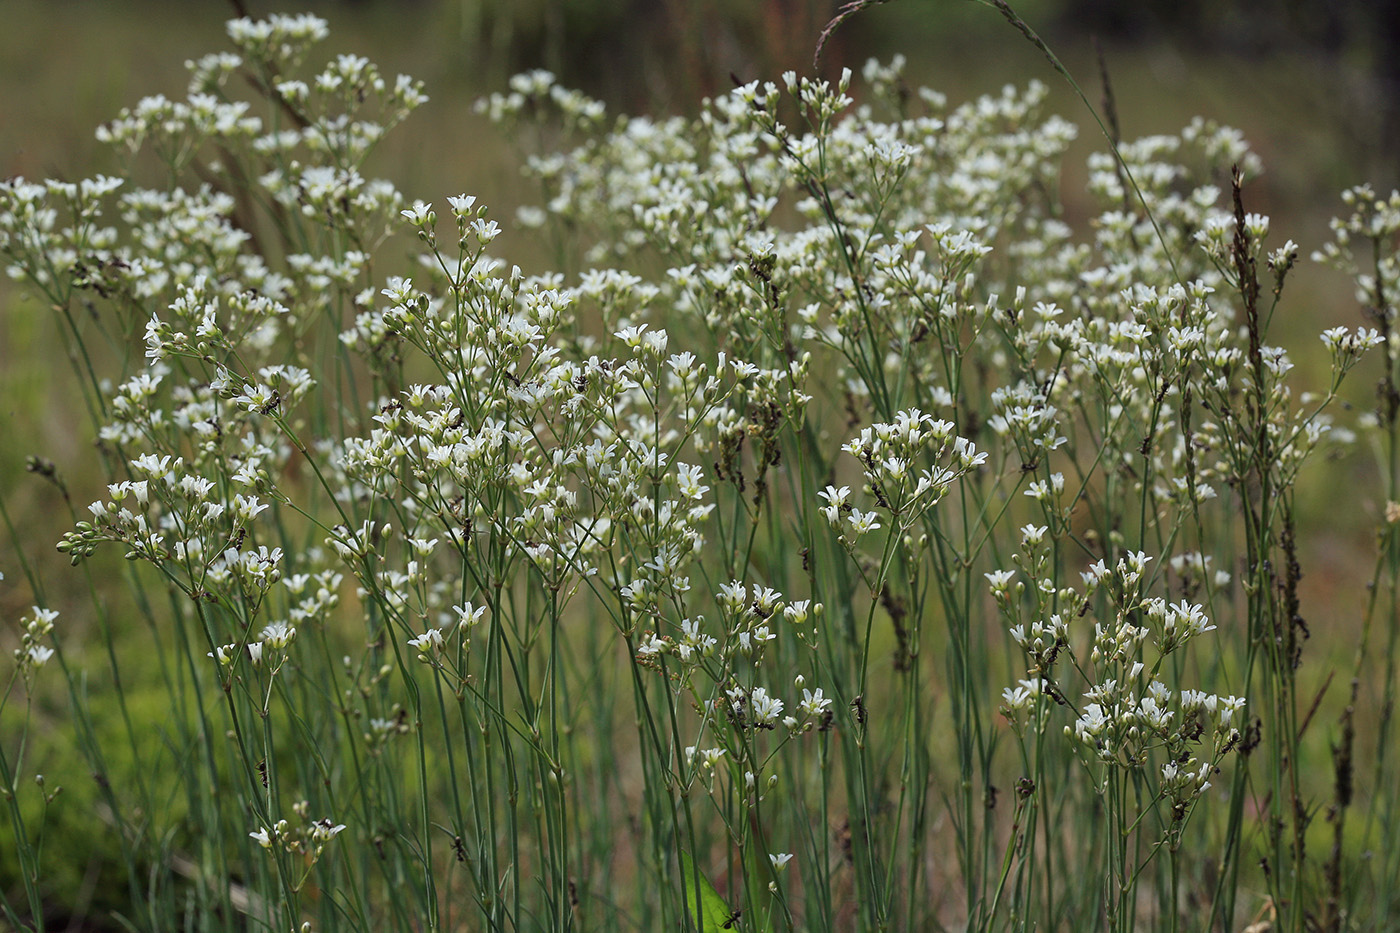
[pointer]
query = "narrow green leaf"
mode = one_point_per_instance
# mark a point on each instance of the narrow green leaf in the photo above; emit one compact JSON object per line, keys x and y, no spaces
{"x":716,"y":917}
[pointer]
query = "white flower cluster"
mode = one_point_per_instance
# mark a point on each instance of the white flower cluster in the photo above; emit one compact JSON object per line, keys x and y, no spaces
{"x":438,"y":645}
{"x":307,"y":840}
{"x":891,"y":456}
{"x":35,"y":630}
{"x":1128,"y":717}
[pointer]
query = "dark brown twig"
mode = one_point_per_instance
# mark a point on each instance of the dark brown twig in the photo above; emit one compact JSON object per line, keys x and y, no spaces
{"x":843,"y":14}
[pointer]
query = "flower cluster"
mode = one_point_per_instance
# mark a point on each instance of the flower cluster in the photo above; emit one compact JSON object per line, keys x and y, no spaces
{"x":890,"y":455}
{"x":1123,"y":715}
{"x":309,"y":839}
{"x":33,"y":651}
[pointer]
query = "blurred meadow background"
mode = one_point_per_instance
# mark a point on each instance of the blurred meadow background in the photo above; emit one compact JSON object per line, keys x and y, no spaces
{"x":1310,"y":85}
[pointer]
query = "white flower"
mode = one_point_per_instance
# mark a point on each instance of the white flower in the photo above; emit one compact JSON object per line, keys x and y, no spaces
{"x":1091,"y":723}
{"x":1095,"y":575}
{"x":864,"y":522}
{"x":709,"y":757}
{"x":420,"y":214}
{"x":485,"y":230}
{"x":797,"y":611}
{"x":650,"y":646}
{"x":469,"y":615}
{"x":278,"y":635}
{"x":765,"y":709}
{"x":1000,"y":580}
{"x":813,"y":704}
{"x":1021,"y":697}
{"x":42,"y":622}
{"x":461,"y":204}
{"x":733,"y":596}
{"x":427,"y":644}
{"x":323,"y":831}
{"x":688,"y":478}
{"x":835,"y":499}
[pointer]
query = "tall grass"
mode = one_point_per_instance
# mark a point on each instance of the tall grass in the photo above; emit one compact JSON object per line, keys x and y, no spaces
{"x":835,"y":539}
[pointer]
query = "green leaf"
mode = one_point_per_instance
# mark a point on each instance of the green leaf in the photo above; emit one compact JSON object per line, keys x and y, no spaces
{"x":716,"y":917}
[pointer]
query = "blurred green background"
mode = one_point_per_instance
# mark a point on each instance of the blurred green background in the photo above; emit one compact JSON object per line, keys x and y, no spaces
{"x":1311,"y":85}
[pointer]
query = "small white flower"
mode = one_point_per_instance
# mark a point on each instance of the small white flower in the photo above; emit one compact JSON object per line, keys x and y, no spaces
{"x":469,"y":615}
{"x":650,"y":646}
{"x":1000,"y":580}
{"x":1096,"y":574}
{"x":420,"y":214}
{"x":323,"y":831}
{"x":462,"y":205}
{"x":864,"y":522}
{"x":835,"y":499}
{"x":765,"y":709}
{"x":278,"y":635}
{"x":797,"y":611}
{"x":688,"y":478}
{"x":427,"y":644}
{"x":813,"y":704}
